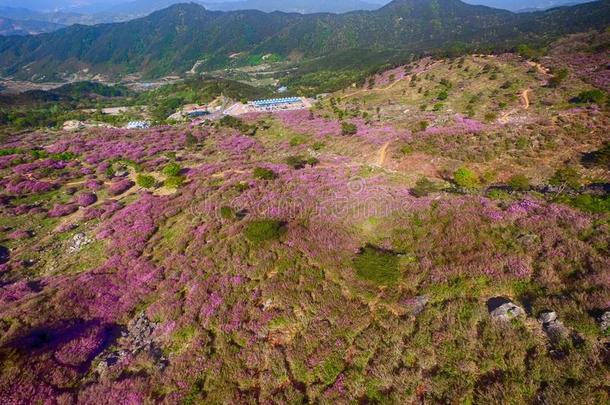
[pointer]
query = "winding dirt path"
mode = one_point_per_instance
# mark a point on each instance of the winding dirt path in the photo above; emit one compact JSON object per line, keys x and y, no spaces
{"x":382,"y":154}
{"x":525,"y":98}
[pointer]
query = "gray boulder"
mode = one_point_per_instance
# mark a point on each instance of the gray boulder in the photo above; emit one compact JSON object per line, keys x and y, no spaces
{"x":419,"y":303}
{"x":548,"y":317}
{"x":553,"y":327}
{"x":503,"y":309}
{"x":605,"y":321}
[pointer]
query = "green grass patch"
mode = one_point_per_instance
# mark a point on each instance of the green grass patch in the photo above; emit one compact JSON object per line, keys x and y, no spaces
{"x":263,"y":173}
{"x":145,"y":181}
{"x":378,"y":266}
{"x":263,"y":230}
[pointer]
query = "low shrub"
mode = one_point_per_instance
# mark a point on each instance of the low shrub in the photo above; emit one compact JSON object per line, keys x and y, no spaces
{"x":174,"y":182}
{"x":145,"y":181}
{"x":227,"y":212}
{"x":519,"y":182}
{"x":558,"y":78}
{"x":263,"y":230}
{"x":595,"y":204}
{"x":466,"y":178}
{"x":347,"y":128}
{"x":299,"y":162}
{"x":376,"y":265}
{"x":590,"y":96}
{"x":172,"y":169}
{"x":297,"y":140}
{"x":424,"y":187}
{"x":566,"y":177}
{"x":263,"y":173}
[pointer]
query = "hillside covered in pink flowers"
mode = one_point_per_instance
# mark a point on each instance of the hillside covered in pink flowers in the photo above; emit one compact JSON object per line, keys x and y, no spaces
{"x":439,"y":235}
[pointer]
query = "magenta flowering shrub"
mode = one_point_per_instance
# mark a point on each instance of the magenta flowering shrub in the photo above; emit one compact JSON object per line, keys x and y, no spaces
{"x":121,"y":186}
{"x":379,"y":134}
{"x":103,"y":210}
{"x":300,"y":121}
{"x":20,"y":186}
{"x":19,"y":234}
{"x":62,"y":210}
{"x":86,"y":199}
{"x":8,"y":161}
{"x":239,"y":144}
{"x":29,"y":168}
{"x":94,"y":185}
{"x":462,"y":126}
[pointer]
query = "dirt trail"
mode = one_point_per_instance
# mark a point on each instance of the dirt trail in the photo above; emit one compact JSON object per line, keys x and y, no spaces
{"x":382,"y":154}
{"x":525,"y":98}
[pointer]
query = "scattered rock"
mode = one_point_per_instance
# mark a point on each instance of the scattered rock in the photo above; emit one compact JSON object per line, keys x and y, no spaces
{"x":121,"y":172}
{"x":71,"y":190}
{"x":138,"y":333}
{"x":553,"y":327}
{"x":605,"y":322}
{"x":79,"y":241}
{"x":27,"y":263}
{"x":528,"y":239}
{"x":548,"y":317}
{"x":503,"y":309}
{"x":417,"y":304}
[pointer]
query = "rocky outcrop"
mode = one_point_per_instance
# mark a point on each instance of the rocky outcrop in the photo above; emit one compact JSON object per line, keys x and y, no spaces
{"x":78,"y":242}
{"x":553,"y":327}
{"x":503,"y":309}
{"x":137,"y":338}
{"x":604,"y":322}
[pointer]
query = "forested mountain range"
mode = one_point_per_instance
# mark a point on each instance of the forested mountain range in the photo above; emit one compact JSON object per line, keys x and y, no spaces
{"x":174,"y":39}
{"x":9,"y":26}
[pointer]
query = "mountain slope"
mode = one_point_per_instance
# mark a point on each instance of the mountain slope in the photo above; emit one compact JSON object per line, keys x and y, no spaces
{"x":9,"y":26}
{"x":172,"y":40}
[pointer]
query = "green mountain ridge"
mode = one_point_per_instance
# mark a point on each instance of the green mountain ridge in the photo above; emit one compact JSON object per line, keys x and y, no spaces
{"x":174,"y":39}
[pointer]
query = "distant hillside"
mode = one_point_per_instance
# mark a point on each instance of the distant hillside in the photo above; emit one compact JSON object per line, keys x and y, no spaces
{"x":58,"y":17}
{"x":173,"y":39}
{"x":71,"y":92}
{"x":9,"y":26}
{"x":293,"y":6}
{"x":526,"y":5}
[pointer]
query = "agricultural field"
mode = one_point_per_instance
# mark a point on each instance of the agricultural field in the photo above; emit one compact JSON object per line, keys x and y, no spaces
{"x":438,"y":235}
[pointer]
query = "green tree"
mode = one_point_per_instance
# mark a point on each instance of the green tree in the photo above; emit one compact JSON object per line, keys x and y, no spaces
{"x":519,"y":182}
{"x":466,"y":178}
{"x":558,"y":78}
